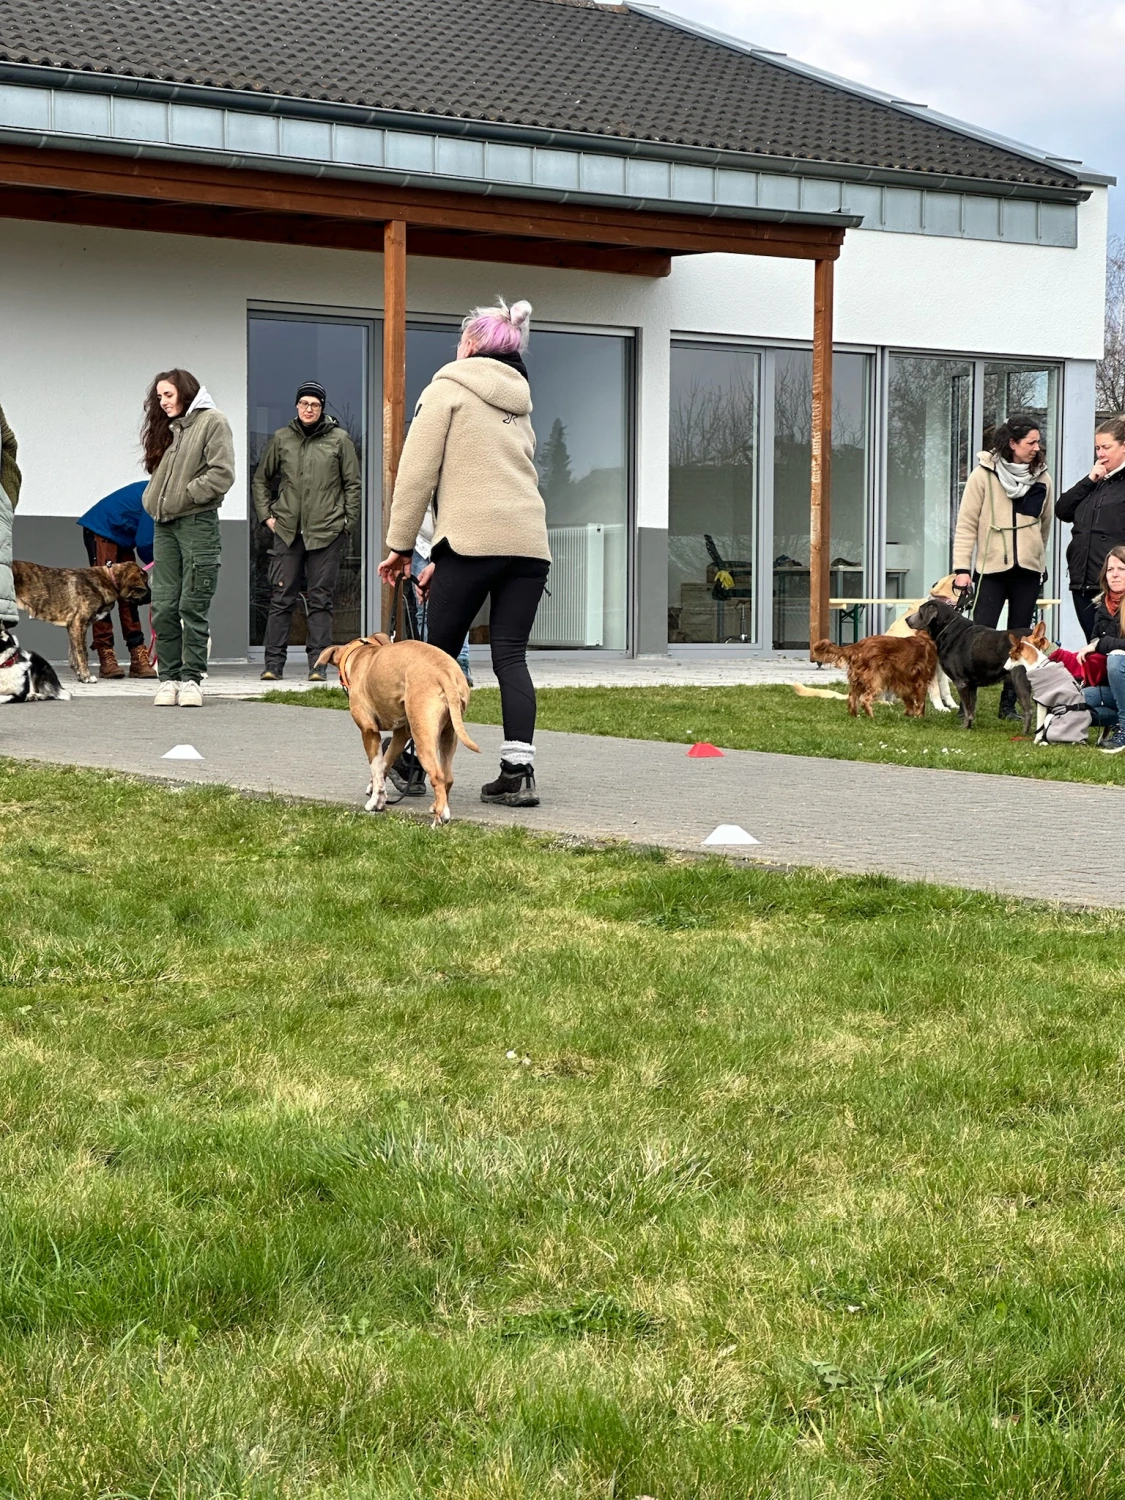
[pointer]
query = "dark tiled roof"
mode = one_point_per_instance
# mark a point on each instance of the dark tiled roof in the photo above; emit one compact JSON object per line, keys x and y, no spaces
{"x":559,"y":64}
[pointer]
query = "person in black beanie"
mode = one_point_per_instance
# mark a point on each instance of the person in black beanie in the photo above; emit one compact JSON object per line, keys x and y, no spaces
{"x":307,"y":492}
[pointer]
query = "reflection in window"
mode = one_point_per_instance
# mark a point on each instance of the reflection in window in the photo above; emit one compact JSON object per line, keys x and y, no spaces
{"x":1022,"y":390}
{"x":792,"y":444}
{"x":929,"y":458}
{"x":712,"y":528}
{"x":580,"y":395}
{"x":283,"y":352}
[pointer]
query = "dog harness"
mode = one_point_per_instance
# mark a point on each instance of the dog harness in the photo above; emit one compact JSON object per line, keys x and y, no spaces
{"x":346,"y":655}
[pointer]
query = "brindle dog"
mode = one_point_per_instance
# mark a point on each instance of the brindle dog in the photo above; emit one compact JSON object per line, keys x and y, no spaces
{"x":75,"y":597}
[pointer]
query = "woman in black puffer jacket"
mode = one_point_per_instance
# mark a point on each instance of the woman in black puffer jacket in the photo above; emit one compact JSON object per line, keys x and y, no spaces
{"x":1095,"y":507}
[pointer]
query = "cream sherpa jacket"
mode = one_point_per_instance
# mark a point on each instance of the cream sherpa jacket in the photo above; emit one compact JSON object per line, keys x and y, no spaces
{"x":471,"y":450}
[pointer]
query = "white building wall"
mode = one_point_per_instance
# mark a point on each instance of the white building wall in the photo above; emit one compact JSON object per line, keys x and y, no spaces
{"x":90,"y":315}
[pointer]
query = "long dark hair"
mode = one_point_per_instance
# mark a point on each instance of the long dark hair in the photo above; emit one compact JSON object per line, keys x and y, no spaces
{"x":156,"y":431}
{"x":1014,"y":430}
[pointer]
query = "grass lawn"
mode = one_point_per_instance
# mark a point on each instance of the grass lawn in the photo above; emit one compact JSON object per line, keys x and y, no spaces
{"x":340,"y":1158}
{"x":774,"y":718}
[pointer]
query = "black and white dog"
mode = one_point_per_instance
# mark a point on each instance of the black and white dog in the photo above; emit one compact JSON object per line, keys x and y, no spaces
{"x":24,"y":675}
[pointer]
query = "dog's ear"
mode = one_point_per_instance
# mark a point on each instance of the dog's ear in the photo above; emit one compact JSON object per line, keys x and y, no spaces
{"x":329,"y":658}
{"x":1039,"y":634}
{"x":383,"y":640}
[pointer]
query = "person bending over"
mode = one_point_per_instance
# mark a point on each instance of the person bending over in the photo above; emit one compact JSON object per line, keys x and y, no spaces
{"x":119,"y":529}
{"x":471,"y":448}
{"x":307,"y":491}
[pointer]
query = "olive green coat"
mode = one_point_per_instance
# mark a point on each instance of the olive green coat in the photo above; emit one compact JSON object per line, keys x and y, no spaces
{"x":9,"y":495}
{"x":309,"y":483}
{"x":197,"y":469}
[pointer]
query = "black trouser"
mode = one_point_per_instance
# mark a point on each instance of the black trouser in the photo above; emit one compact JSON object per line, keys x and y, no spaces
{"x":1018,"y":587}
{"x":459,"y":587}
{"x":322,"y":567}
{"x":1085,"y":609}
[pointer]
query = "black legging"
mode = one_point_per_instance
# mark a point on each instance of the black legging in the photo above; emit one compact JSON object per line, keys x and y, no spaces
{"x":1085,"y":609}
{"x":1019,"y":587}
{"x":458,"y":588}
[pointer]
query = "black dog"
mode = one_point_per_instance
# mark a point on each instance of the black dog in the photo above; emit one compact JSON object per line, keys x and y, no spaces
{"x":24,"y":676}
{"x":972,"y":656}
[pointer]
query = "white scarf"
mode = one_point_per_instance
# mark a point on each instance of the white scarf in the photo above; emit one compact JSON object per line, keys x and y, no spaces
{"x":1017,"y":479}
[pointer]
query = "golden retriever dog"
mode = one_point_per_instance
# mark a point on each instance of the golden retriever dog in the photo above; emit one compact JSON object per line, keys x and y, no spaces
{"x":941,"y":699}
{"x":884,"y":664}
{"x":415,"y":691}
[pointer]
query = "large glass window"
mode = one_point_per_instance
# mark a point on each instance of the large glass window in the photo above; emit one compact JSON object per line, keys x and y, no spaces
{"x":792,"y":451}
{"x":1022,"y":389}
{"x":580,"y":387}
{"x":929,"y":457}
{"x":712,"y":526}
{"x":284,"y":351}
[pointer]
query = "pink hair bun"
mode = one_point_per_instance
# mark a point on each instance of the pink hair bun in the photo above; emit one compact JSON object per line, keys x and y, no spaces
{"x":519,"y":312}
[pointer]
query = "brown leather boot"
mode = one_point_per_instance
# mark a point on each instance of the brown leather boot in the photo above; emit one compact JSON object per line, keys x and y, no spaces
{"x":108,"y":665}
{"x":139,"y":664}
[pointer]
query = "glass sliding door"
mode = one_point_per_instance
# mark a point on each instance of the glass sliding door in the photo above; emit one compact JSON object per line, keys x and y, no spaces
{"x":283,"y":351}
{"x":1030,"y":390}
{"x":792,"y":448}
{"x":929,"y":458}
{"x":712,"y":516}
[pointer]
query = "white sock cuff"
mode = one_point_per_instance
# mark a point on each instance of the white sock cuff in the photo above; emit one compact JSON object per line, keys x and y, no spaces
{"x":517,"y":752}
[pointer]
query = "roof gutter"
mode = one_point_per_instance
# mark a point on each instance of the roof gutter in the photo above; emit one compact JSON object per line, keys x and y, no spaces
{"x":33,"y":76}
{"x":922,"y":112}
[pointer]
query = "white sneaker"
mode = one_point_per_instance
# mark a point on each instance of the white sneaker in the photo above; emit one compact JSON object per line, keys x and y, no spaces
{"x":167,"y":695}
{"x":190,"y":695}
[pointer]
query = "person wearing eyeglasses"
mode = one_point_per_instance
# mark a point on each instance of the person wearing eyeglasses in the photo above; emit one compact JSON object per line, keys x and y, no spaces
{"x":307,"y":493}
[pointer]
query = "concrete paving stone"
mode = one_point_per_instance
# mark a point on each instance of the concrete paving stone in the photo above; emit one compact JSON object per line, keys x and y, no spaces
{"x":1006,"y":834}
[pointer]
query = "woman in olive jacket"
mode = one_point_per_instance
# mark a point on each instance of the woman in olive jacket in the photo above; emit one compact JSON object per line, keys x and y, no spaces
{"x":1095,"y":508}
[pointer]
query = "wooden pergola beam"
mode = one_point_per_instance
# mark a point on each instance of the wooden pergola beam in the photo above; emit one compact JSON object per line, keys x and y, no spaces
{"x":394,"y":378}
{"x":820,"y":498}
{"x":176,"y":182}
{"x":89,"y":209}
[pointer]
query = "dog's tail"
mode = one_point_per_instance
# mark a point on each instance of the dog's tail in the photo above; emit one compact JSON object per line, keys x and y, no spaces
{"x":826,"y":651}
{"x":453,"y":703}
{"x":810,"y":692}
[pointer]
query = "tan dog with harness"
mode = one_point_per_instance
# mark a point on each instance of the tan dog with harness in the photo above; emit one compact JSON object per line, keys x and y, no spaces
{"x":415,"y":691}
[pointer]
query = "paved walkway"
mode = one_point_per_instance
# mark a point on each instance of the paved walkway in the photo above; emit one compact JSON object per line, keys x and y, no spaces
{"x":1009,"y":834}
{"x":243,"y":680}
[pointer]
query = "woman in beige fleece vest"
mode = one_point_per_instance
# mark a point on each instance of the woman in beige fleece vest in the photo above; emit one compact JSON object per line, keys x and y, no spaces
{"x":471,"y":451}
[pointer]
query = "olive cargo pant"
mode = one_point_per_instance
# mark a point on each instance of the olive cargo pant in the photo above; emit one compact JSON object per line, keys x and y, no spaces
{"x":185,"y":574}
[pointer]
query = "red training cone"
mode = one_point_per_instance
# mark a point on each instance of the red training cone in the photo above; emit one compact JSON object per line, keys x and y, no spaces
{"x":703,"y":751}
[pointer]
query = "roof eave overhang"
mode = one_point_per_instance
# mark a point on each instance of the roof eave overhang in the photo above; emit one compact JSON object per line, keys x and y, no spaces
{"x":31,"y":75}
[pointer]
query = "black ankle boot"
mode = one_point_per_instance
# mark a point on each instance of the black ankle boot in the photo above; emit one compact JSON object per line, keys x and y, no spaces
{"x":407,"y":774}
{"x":514,"y":787}
{"x":1008,"y":709}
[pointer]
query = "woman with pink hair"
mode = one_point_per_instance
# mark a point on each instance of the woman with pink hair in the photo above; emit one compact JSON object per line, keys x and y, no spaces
{"x":471,"y":449}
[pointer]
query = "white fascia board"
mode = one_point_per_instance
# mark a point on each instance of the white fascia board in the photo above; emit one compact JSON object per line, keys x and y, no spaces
{"x":864,"y":91}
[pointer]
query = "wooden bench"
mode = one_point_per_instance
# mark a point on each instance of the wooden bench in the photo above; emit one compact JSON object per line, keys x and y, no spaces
{"x":852,"y":610}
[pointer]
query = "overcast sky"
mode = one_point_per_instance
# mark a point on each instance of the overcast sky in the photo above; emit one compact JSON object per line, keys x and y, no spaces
{"x":1047,"y":72}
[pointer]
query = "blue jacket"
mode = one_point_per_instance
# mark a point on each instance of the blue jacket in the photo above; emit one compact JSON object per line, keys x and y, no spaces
{"x":122,"y":518}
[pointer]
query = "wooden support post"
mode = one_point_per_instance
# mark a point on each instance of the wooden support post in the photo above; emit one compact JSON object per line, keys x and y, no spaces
{"x":394,"y":376}
{"x":820,"y":503}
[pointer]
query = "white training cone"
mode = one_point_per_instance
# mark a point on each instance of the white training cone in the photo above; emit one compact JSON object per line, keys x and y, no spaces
{"x":182,"y":752}
{"x":730,"y":833}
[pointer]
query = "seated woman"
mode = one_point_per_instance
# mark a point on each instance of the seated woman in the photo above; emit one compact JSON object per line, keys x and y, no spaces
{"x":1106,"y":702}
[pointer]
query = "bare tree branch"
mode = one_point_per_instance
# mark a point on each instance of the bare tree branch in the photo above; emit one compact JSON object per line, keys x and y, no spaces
{"x":1111,"y":367}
